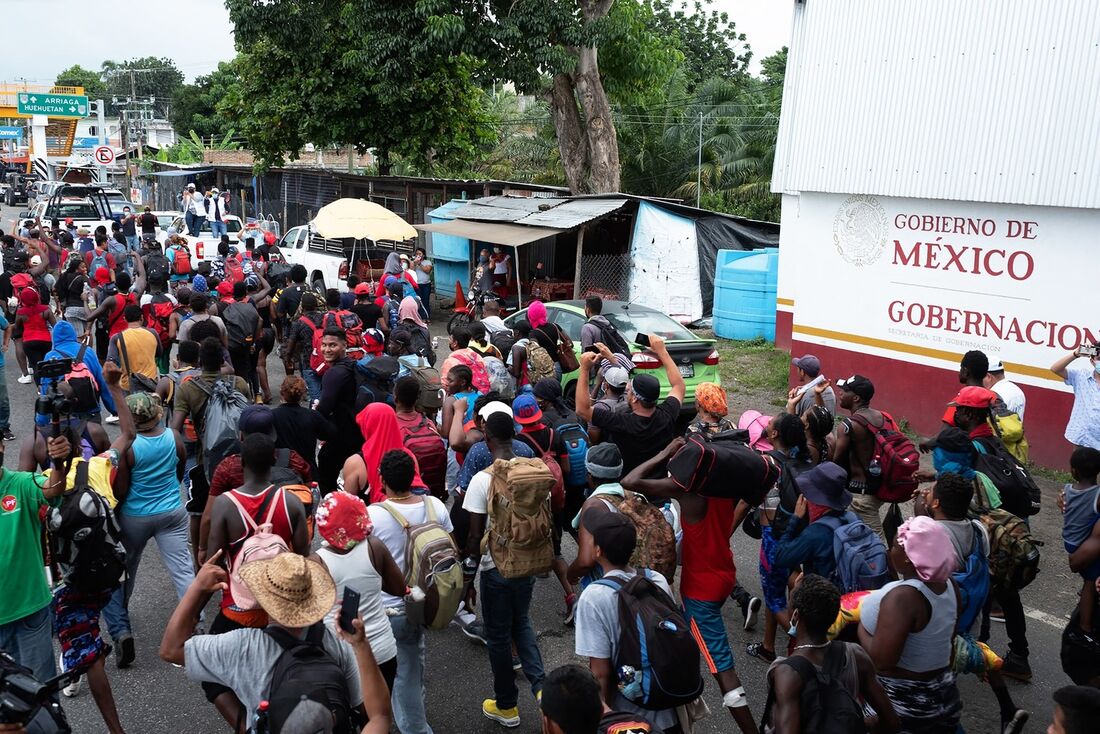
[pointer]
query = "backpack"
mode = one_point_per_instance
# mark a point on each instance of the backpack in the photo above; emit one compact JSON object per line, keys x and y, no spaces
{"x":218,"y":432}
{"x":519,"y":535}
{"x":241,"y":319}
{"x":120,"y":252}
{"x":575,"y":440}
{"x":285,"y":478}
{"x":156,"y":316}
{"x":860,"y":554}
{"x":260,"y":545}
{"x":1010,"y":429}
{"x":305,"y":669}
{"x":790,"y":469}
{"x":234,"y":271}
{"x":539,"y":362}
{"x":500,"y":380}
{"x":79,"y":386}
{"x":610,"y":336}
{"x":431,"y":455}
{"x":99,"y":260}
{"x":432,"y":563}
{"x":391,"y":308}
{"x":351,"y":325}
{"x":972,"y":583}
{"x":557,"y":492}
{"x":503,"y":340}
{"x":826,"y":706}
{"x":1013,"y":551}
{"x":291,"y":300}
{"x":88,"y":537}
{"x":480,"y":380}
{"x":1020,"y":495}
{"x":181,"y":260}
{"x":723,"y":465}
{"x":431,"y":386}
{"x":316,"y":361}
{"x":156,"y":268}
{"x":655,"y":641}
{"x":896,"y":458}
{"x":656,"y":546}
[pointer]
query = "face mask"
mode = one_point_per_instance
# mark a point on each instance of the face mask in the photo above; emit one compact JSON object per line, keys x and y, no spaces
{"x":496,"y":250}
{"x":792,"y":630}
{"x":484,"y":259}
{"x":404,"y":266}
{"x":1096,"y":368}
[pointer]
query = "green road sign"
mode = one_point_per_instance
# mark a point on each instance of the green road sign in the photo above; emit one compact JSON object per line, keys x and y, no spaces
{"x":54,"y":105}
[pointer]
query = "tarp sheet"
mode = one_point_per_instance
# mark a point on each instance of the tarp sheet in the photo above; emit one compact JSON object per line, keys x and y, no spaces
{"x":511,"y":235}
{"x":663,"y":273}
{"x":714,"y":233}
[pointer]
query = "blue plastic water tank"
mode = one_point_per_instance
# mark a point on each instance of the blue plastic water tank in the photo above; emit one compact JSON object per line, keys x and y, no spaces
{"x":744,"y":293}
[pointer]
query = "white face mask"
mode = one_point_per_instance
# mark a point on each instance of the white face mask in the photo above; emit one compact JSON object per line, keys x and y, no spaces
{"x":404,"y":266}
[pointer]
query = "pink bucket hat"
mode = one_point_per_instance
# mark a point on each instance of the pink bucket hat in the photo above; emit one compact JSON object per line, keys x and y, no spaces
{"x":928,"y":547}
{"x":756,"y":423}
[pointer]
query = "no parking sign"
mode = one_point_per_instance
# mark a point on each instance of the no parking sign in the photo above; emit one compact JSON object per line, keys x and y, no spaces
{"x":104,"y":155}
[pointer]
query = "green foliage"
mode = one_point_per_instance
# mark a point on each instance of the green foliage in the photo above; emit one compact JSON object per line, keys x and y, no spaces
{"x":707,"y":38}
{"x":190,"y":149}
{"x":141,"y":77}
{"x":381,"y":74}
{"x":194,"y":106}
{"x":77,"y":76}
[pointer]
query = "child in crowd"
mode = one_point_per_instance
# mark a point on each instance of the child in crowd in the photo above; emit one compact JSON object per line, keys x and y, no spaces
{"x":1081,"y":523}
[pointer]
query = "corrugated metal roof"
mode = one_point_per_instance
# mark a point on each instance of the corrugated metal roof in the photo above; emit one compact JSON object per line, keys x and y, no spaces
{"x":538,"y":212}
{"x":976,"y":100}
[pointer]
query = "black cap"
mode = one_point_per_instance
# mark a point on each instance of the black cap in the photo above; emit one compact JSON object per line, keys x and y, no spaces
{"x":647,"y":388}
{"x":858,"y":385}
{"x":611,"y":530}
{"x":953,"y":440}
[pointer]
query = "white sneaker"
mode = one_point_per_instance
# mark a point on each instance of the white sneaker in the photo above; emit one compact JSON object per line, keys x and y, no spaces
{"x":73,"y":689}
{"x":25,"y":380}
{"x":112,"y":419}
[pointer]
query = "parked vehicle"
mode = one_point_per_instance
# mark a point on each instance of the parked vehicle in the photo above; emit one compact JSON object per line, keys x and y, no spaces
{"x":696,"y":358}
{"x":205,"y":245}
{"x":475,"y":304}
{"x":18,"y":185}
{"x":328,"y":262}
{"x":87,"y":205}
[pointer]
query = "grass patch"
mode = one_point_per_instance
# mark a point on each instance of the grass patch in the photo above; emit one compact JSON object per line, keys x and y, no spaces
{"x":1054,"y":475}
{"x":754,"y":366}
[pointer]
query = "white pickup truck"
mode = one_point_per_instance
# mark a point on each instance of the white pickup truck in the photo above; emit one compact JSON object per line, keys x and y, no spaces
{"x":87,"y":206}
{"x":328,"y":262}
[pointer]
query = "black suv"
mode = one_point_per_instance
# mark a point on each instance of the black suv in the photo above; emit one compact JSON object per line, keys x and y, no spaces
{"x":18,"y":183}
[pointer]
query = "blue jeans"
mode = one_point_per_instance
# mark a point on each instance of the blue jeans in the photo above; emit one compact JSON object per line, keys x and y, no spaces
{"x":5,"y":404}
{"x":313,"y":382}
{"x":217,"y":229}
{"x":505,"y":606}
{"x":133,"y":242}
{"x":408,"y":687}
{"x":194,"y":223}
{"x":30,"y":641}
{"x":425,"y":291}
{"x":170,"y":529}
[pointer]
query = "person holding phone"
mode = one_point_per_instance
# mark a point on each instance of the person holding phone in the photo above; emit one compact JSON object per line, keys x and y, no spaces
{"x":1083,"y":428}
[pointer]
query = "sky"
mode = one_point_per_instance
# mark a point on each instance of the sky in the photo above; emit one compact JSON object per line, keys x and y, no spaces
{"x":152,"y":28}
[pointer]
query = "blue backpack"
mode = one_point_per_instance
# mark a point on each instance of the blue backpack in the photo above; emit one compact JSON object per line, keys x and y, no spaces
{"x":860,"y":554}
{"x":973,"y":582}
{"x":575,"y":440}
{"x":99,"y":260}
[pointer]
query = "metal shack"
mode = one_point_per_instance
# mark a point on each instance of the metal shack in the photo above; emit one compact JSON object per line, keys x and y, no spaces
{"x":939,"y":163}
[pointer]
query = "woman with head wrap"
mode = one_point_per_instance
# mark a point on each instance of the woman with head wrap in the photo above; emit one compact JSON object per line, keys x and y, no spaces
{"x":33,"y":320}
{"x":410,"y":318}
{"x":710,"y":410}
{"x":393,"y":270}
{"x":547,"y":334}
{"x":359,"y":561}
{"x":908,"y":628}
{"x":381,"y":433}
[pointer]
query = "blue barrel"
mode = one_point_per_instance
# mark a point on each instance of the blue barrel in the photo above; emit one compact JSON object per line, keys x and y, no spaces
{"x":744,"y":293}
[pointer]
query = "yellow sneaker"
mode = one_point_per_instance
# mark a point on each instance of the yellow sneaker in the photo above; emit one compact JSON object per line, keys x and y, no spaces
{"x":504,"y":717}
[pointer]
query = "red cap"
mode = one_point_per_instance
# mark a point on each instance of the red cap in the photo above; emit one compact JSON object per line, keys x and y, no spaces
{"x":68,"y":220}
{"x":225,"y":288}
{"x":102,"y":276}
{"x":973,"y":397}
{"x":362,"y":289}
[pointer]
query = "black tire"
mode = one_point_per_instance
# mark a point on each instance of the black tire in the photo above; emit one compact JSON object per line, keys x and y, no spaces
{"x":319,"y":288}
{"x":460,"y":318}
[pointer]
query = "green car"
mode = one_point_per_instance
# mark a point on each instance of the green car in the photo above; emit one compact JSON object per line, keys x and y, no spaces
{"x":697,"y":359}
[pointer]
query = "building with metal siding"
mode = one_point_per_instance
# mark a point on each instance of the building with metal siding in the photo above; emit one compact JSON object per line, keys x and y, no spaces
{"x":923,"y":144}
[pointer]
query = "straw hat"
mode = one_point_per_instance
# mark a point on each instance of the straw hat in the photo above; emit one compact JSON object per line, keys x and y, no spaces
{"x":294,"y":592}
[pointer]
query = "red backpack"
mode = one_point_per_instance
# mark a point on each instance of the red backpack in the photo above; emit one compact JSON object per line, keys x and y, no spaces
{"x":316,"y":361}
{"x":181,"y":260}
{"x":431,"y":455}
{"x":896,"y":457}
{"x":234,"y":273}
{"x":352,"y":326}
{"x":480,"y":379}
{"x":156,"y":316}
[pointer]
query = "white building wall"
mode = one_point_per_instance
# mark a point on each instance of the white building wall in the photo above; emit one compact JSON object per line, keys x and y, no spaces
{"x":969,"y":100}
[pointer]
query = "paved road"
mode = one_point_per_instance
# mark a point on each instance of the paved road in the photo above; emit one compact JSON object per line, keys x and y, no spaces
{"x":154,"y":696}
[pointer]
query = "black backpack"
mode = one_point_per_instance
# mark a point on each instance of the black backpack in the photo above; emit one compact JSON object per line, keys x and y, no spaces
{"x":610,"y":337}
{"x":1020,"y":495}
{"x":654,"y":640}
{"x":503,"y":340}
{"x":156,"y":268}
{"x":241,"y":320}
{"x":79,"y":386}
{"x":790,"y":469}
{"x":826,"y":706}
{"x":87,"y":537}
{"x":305,"y":669}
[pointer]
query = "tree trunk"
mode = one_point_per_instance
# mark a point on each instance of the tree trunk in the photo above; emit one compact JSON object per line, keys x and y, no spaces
{"x":603,"y":144}
{"x":572,"y":141}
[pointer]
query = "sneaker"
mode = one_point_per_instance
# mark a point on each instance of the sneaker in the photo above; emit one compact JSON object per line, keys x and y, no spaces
{"x":1015,"y":725}
{"x":1016,"y":667}
{"x":8,"y":435}
{"x":752,"y":612}
{"x":126,"y":651}
{"x":504,"y":717}
{"x":476,"y":632}
{"x":570,"y":609}
{"x":25,"y":380}
{"x":112,"y":419}
{"x":73,"y":689}
{"x":997,"y":615}
{"x":757,"y":650}
{"x":517,"y":665}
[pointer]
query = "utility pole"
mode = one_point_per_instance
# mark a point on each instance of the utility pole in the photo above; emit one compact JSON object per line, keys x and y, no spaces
{"x":699,"y":169}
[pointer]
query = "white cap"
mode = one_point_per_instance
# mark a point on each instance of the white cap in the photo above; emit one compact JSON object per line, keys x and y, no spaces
{"x":190,"y":185}
{"x":495,"y":407}
{"x":995,"y":364}
{"x":36,"y":260}
{"x":616,"y":377}
{"x":214,"y":191}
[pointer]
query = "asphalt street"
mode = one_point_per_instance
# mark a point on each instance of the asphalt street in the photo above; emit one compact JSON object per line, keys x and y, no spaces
{"x":154,"y":696}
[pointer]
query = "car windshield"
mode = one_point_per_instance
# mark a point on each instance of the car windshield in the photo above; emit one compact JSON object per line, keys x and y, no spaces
{"x":648,"y":322}
{"x":164,"y":221}
{"x":76,"y":210}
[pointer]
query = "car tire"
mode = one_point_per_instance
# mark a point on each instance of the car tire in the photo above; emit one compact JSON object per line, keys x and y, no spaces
{"x":319,"y":288}
{"x":460,"y":318}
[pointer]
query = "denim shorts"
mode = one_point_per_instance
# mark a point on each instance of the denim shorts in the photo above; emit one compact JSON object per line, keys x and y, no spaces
{"x":709,"y":631}
{"x":773,"y":580}
{"x":76,"y":615}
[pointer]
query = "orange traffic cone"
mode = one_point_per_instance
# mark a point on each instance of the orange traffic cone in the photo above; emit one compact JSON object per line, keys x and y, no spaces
{"x":460,"y":298}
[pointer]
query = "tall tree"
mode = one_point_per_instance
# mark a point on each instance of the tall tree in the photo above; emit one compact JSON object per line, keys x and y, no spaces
{"x":194,"y":106}
{"x":144,"y":78}
{"x":709,"y":40}
{"x":370,"y":73}
{"x":77,"y":76}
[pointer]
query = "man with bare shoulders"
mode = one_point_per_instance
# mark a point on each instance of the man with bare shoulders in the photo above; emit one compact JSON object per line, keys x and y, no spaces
{"x":855,"y":444}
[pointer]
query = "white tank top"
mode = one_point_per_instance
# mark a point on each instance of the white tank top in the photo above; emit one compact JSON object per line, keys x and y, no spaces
{"x":929,"y":649}
{"x":355,"y":570}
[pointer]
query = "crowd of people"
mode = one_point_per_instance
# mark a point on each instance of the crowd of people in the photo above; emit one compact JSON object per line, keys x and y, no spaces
{"x":384,"y":498}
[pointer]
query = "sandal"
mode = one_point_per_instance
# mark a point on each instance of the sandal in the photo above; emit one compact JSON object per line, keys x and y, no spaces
{"x":757,"y":650}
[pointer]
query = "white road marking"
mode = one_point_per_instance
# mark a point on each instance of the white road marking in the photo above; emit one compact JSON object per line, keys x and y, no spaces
{"x":1041,"y":616}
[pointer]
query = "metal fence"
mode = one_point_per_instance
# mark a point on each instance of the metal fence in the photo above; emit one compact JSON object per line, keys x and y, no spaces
{"x":605,"y":275}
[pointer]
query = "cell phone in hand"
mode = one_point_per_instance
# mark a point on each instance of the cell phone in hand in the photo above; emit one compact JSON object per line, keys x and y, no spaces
{"x":349,"y":610}
{"x":592,"y":349}
{"x":642,"y":340}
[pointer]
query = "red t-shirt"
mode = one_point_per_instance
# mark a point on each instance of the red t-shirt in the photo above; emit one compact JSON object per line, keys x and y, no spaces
{"x":708,"y":572}
{"x":229,"y":474}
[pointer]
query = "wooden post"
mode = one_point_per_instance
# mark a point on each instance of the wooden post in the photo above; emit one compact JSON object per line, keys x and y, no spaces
{"x":580,"y":251}
{"x":519,"y":281}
